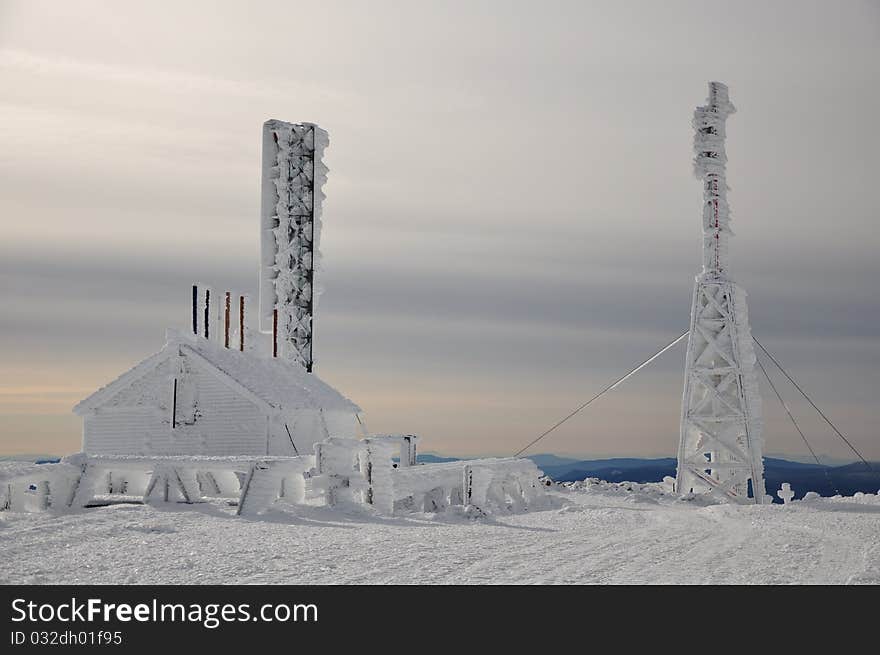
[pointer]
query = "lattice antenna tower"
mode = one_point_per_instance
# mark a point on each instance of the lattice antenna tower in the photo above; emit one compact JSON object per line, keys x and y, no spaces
{"x":293,"y":174}
{"x":721,"y":442}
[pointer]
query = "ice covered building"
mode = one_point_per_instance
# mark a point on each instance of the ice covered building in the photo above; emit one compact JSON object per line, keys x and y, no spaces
{"x":240,"y":417}
{"x":196,"y":397}
{"x":205,"y":393}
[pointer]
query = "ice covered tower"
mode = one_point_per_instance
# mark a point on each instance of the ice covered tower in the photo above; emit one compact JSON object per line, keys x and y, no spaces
{"x":720,"y":451}
{"x":290,"y":227}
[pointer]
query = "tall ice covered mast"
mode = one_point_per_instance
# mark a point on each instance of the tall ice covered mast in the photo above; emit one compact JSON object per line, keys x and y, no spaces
{"x":721,"y":445}
{"x":290,"y":226}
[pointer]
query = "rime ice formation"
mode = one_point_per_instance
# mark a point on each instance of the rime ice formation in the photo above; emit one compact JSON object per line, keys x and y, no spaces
{"x":720,"y":448}
{"x":341,"y":472}
{"x":196,"y":397}
{"x":214,"y":418}
{"x":786,"y":493}
{"x":290,"y":226}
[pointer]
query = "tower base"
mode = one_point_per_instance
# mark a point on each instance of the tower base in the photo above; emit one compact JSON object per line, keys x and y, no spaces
{"x":720,"y":451}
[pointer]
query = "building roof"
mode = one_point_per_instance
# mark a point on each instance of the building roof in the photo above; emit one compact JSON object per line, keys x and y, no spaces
{"x":275,"y":384}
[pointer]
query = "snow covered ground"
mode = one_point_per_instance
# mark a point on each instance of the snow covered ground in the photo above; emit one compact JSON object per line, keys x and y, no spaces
{"x":603,"y":533}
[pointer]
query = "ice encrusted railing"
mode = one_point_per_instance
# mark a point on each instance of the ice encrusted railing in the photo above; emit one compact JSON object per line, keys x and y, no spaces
{"x":342,"y":473}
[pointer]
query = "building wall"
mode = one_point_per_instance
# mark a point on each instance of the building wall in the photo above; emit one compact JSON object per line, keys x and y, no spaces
{"x":137,"y":421}
{"x":343,"y":424}
{"x":308,"y":427}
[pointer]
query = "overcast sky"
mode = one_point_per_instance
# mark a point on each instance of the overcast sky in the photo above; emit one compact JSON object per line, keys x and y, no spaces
{"x":511,"y":218}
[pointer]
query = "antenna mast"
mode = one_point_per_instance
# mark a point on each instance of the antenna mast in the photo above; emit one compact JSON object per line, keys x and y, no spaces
{"x":721,"y":442}
{"x":293,"y":174}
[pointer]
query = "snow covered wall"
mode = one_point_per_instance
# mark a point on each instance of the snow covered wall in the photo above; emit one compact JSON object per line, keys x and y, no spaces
{"x":293,"y":174}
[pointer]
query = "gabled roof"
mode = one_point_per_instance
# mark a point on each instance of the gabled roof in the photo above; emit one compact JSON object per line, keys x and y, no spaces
{"x":274,"y":383}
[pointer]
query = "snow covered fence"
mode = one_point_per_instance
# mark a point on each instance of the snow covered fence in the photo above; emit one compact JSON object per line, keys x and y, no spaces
{"x":270,"y":480}
{"x":342,"y":472}
{"x":492,"y":485}
{"x":89,"y":481}
{"x":362,"y":471}
{"x":107,"y":480}
{"x":37,"y":487}
{"x":251,"y":483}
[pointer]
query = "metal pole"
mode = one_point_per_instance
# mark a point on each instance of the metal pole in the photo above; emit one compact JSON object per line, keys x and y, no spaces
{"x":195,"y":305}
{"x":174,"y":407}
{"x":226,"y":321}
{"x":241,"y":323}
{"x":207,"y":311}
{"x":275,"y":332}
{"x":310,"y":362}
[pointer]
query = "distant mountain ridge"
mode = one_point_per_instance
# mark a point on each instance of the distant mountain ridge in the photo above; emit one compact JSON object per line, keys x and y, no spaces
{"x":31,"y":457}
